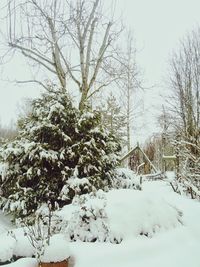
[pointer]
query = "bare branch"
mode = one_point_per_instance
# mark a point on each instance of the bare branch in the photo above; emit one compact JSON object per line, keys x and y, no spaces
{"x":37,"y":54}
{"x":34,"y":81}
{"x":89,"y":47}
{"x":100,"y":87}
{"x":96,"y":2}
{"x":38,"y":61}
{"x":102,"y":50}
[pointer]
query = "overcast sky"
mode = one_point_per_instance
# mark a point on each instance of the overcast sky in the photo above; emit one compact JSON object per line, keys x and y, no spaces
{"x":158,"y":26}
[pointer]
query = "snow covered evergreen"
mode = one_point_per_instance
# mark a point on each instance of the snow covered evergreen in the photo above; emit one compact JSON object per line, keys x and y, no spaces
{"x":58,"y":153}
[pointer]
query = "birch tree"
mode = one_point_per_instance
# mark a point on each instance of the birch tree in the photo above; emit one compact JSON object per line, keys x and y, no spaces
{"x":73,"y":41}
{"x":129,"y":83}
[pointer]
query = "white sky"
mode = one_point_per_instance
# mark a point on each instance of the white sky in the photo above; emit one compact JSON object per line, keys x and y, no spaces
{"x":157,"y":24}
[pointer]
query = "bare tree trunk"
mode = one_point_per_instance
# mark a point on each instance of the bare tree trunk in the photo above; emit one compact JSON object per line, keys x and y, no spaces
{"x":130,"y":83}
{"x":128,"y":115}
{"x":83,"y":101}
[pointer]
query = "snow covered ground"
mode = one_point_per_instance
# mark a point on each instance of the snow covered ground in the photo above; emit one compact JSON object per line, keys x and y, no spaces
{"x":173,"y":241}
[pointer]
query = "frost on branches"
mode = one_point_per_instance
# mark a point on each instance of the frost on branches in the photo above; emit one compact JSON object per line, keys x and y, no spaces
{"x":58,"y":153}
{"x":188,"y":168}
{"x":126,"y":178}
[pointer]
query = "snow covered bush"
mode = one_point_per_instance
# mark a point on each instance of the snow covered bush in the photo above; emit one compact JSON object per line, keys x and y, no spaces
{"x":89,"y":221}
{"x":125,"y":178}
{"x":41,"y":234}
{"x":57,"y":146}
{"x":186,"y":181}
{"x":118,"y":215}
{"x":16,"y":245}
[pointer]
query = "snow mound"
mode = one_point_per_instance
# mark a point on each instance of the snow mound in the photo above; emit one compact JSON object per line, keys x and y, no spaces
{"x":57,"y":251}
{"x":5,"y":223}
{"x":133,"y":213}
{"x":118,"y":215}
{"x":14,"y":243}
{"x":7,"y":245}
{"x":22,"y":248}
{"x":26,"y":262}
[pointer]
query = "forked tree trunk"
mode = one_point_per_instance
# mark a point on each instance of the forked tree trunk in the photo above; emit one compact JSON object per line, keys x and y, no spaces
{"x":83,"y":101}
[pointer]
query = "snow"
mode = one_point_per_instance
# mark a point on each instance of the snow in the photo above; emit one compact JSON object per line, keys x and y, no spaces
{"x":3,"y":169}
{"x":22,"y":247}
{"x":143,"y":213}
{"x":56,"y":107}
{"x":14,"y":243}
{"x":89,"y":221}
{"x":100,"y":218}
{"x":26,"y":262}
{"x":58,"y":250}
{"x":175,"y":244}
{"x":167,"y":250}
{"x":7,"y":247}
{"x":5,"y":223}
{"x":75,"y":184}
{"x":170,"y":175}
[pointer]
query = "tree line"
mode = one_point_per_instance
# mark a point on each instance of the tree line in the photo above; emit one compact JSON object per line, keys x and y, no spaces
{"x":180,"y":118}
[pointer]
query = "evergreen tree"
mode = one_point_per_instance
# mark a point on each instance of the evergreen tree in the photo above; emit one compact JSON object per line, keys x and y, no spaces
{"x":59,"y":152}
{"x":113,"y":119}
{"x":97,"y":149}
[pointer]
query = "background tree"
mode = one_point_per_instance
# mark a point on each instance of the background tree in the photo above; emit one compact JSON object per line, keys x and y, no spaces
{"x":129,"y":83}
{"x":185,"y":105}
{"x":184,"y":81}
{"x":113,"y":118}
{"x":7,"y":133}
{"x":73,"y":41}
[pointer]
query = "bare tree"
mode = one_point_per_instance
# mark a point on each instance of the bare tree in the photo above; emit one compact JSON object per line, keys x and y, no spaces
{"x":185,"y":104}
{"x":185,"y":83}
{"x":129,"y":83}
{"x":71,"y":40}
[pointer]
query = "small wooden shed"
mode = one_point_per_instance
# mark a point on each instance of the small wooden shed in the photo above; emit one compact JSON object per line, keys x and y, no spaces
{"x":137,"y":160}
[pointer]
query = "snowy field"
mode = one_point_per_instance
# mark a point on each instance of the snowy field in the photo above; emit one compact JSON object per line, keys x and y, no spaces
{"x":159,"y":229}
